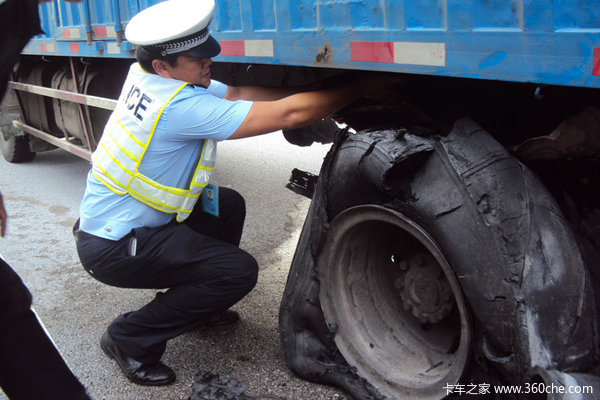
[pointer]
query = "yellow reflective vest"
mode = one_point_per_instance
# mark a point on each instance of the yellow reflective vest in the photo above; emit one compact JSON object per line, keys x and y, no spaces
{"x":127,"y":136}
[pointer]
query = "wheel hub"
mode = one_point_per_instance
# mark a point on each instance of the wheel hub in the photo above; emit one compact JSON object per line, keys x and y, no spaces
{"x":424,"y":290}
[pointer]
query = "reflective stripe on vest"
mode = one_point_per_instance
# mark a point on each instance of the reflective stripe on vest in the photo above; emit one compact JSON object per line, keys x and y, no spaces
{"x":126,"y":139}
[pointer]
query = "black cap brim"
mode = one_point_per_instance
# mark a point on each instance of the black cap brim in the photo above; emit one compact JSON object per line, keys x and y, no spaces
{"x":209,"y":49}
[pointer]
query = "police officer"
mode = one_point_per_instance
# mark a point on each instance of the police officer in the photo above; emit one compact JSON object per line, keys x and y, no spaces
{"x":149,"y":217}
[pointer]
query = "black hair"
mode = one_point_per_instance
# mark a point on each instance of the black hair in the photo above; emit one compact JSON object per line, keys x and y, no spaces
{"x":145,"y":57}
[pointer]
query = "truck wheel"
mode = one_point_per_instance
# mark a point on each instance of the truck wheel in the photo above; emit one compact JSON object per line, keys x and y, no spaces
{"x":427,"y":262}
{"x":14,"y":144}
{"x":394,"y":303}
{"x":16,"y":148}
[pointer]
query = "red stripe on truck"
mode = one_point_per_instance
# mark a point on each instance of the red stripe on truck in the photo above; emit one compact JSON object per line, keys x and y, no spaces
{"x":100,"y":31}
{"x":596,"y":70}
{"x":382,"y":52}
{"x":233,"y":48}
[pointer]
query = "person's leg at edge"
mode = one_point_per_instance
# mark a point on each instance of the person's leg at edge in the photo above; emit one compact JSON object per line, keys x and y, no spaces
{"x":30,"y":365}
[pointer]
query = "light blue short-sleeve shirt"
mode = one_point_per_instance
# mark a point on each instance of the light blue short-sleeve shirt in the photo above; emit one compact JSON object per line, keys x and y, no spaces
{"x":194,"y":114}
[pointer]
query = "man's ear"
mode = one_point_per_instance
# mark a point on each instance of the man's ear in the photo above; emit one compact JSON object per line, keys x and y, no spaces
{"x":161,"y":68}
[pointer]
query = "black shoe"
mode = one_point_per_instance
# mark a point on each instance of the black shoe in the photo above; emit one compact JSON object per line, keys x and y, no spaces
{"x":225,"y":318}
{"x":143,"y":374}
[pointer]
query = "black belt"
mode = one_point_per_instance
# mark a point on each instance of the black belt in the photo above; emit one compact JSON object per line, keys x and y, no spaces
{"x":79,"y":234}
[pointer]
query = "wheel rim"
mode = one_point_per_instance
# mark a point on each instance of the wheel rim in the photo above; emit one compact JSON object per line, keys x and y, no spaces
{"x":394,"y":304}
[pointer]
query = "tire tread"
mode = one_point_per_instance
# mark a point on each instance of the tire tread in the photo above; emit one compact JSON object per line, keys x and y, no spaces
{"x":16,"y":149}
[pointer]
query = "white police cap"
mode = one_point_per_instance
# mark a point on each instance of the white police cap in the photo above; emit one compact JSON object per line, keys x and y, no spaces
{"x":175,"y":27}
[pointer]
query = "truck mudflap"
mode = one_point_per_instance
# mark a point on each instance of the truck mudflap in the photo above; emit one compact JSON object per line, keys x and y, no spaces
{"x":431,"y":261}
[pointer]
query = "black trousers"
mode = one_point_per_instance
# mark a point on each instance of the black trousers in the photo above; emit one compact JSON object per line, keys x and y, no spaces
{"x":30,"y":365}
{"x":199,"y":261}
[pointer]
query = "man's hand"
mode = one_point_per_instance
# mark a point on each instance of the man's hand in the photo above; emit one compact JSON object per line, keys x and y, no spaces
{"x":3,"y":217}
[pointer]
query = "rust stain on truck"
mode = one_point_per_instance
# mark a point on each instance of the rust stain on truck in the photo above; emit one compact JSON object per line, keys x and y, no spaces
{"x":325,"y":55}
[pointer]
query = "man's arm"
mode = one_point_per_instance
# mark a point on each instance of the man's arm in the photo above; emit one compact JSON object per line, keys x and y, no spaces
{"x":271,"y":113}
{"x":295,"y":111}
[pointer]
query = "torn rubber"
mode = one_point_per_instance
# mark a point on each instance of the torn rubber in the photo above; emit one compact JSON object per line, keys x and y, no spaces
{"x":512,"y":251}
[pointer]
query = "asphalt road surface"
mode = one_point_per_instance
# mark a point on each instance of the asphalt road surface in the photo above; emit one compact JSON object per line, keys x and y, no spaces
{"x":42,"y":198}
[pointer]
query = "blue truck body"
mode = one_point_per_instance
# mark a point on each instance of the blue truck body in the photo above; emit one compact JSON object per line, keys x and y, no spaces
{"x":553,"y":42}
